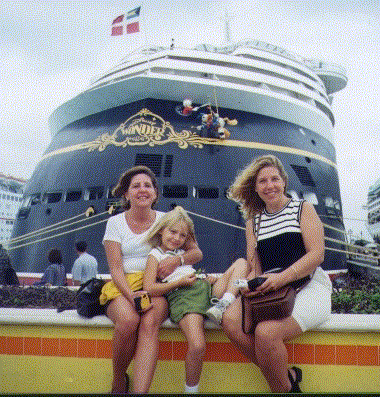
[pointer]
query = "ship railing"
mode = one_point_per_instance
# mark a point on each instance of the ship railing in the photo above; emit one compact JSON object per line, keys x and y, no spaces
{"x":249,"y":43}
{"x":373,"y":203}
{"x":351,"y":250}
{"x":140,"y":53}
{"x":319,"y":65}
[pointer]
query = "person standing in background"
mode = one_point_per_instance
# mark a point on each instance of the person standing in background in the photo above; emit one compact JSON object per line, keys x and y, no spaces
{"x":85,"y":266}
{"x":55,"y":273}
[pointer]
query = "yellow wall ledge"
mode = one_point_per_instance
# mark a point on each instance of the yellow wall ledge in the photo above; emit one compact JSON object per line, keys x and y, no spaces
{"x":42,"y":351}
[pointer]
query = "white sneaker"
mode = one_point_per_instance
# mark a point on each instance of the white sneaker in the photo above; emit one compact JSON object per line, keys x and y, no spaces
{"x":215,"y":312}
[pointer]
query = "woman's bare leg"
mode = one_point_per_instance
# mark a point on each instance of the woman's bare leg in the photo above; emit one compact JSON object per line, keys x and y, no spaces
{"x":126,"y":322}
{"x":147,"y":345}
{"x":232,"y":326}
{"x":271,"y":353}
{"x":192,"y":326}
{"x":265,"y":348}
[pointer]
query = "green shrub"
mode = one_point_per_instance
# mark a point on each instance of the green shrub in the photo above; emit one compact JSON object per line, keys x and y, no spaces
{"x":356,"y":295}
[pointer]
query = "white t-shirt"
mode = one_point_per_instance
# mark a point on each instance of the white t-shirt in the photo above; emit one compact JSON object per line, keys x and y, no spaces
{"x":180,"y":271}
{"x":133,"y":247}
{"x":85,"y":267}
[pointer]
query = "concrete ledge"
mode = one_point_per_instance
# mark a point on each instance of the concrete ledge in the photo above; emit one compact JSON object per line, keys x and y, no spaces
{"x":337,"y":322}
{"x":341,"y":356}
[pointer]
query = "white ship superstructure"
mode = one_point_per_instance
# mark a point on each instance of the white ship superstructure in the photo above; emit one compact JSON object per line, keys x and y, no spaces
{"x":373,"y":206}
{"x":251,"y":76}
{"x":11,"y":191}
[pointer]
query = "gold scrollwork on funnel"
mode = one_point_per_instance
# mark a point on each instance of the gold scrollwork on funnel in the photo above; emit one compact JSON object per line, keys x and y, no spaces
{"x":146,"y":128}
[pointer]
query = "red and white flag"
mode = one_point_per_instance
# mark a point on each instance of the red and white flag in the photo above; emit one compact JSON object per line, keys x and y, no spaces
{"x":117,"y":26}
{"x":123,"y":24}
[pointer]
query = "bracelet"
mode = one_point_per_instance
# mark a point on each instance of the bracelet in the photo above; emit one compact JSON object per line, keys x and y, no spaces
{"x":295,"y":271}
{"x":182,"y":260}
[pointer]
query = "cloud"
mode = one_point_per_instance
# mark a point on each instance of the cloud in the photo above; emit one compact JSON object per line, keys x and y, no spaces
{"x":51,"y":49}
{"x":28,"y":99}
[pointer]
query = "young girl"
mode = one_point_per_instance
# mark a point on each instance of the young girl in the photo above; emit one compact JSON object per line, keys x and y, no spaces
{"x":188,"y":292}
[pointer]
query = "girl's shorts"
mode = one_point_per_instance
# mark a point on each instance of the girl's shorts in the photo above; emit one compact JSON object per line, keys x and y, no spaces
{"x":191,"y":299}
{"x":313,"y":303}
{"x":111,"y":291}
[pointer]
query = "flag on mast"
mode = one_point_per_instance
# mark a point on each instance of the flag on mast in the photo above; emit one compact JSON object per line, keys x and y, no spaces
{"x":118,"y":28}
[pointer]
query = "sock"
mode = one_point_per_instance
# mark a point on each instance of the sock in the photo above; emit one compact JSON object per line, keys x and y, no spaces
{"x":230,"y":298}
{"x":191,"y":389}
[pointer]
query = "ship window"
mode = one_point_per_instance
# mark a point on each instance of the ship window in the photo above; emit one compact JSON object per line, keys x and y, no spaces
{"x":73,"y":195}
{"x":303,"y":175}
{"x":35,"y":199}
{"x":52,"y":197}
{"x":26,"y":202}
{"x":31,"y":200}
{"x":175,"y":191}
{"x":332,"y":206}
{"x":310,"y":197}
{"x":205,"y":192}
{"x":329,"y":202}
{"x":93,"y":193}
{"x":153,"y":161}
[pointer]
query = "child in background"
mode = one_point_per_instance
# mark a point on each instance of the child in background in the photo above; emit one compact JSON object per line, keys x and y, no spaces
{"x":188,"y":292}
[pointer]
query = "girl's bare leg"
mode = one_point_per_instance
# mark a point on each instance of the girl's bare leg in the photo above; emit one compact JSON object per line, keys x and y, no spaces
{"x":147,"y":345}
{"x":224,"y":283}
{"x":192,"y":326}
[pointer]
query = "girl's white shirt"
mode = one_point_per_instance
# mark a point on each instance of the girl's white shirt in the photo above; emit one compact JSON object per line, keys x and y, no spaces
{"x":180,"y":271}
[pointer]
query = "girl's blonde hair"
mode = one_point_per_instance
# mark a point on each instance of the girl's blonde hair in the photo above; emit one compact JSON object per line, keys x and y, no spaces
{"x":178,"y":214}
{"x":243,"y":189}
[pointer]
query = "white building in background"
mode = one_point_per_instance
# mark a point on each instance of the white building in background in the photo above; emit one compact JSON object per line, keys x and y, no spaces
{"x":373,"y":206}
{"x":11,"y":191}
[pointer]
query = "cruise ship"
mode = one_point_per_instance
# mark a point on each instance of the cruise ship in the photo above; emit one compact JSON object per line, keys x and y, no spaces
{"x":373,"y":207}
{"x":153,"y":108}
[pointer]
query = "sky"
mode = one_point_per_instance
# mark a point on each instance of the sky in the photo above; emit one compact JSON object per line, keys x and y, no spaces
{"x":51,"y":49}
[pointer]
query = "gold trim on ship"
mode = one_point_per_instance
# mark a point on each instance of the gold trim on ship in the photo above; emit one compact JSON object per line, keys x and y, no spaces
{"x":148,"y":129}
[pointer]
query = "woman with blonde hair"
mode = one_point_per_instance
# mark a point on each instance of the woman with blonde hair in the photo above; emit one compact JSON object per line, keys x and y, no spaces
{"x":135,"y":332}
{"x":285,"y":235}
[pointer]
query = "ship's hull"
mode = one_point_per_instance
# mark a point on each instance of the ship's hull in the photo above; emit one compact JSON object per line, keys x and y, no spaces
{"x":88,"y":156}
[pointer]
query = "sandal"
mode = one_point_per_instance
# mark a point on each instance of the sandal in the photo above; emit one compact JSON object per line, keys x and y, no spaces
{"x":295,"y":381}
{"x":126,"y":385}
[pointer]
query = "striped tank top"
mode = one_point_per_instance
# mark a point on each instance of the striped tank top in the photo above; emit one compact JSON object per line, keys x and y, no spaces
{"x":279,"y":237}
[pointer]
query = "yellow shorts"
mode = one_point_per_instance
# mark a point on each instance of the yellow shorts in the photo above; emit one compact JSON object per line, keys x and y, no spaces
{"x":111,"y":291}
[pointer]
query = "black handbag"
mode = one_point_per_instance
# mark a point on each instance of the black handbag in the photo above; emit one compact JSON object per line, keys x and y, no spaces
{"x":88,"y":304}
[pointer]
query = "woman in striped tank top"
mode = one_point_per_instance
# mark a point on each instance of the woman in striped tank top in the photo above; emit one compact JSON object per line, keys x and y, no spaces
{"x":284,"y":233}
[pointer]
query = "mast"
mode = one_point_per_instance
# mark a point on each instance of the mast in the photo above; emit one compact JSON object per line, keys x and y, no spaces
{"x":227,"y":30}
